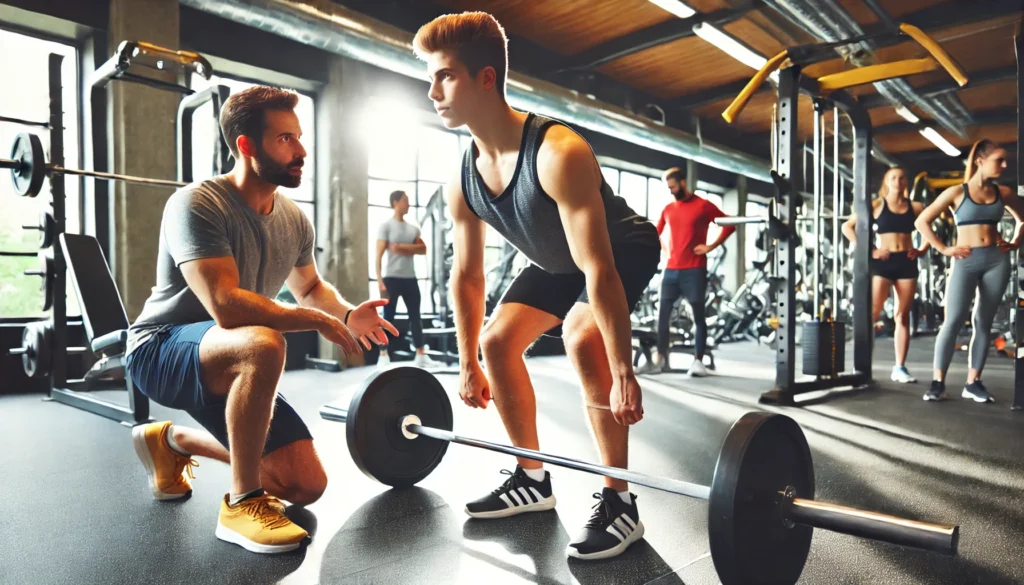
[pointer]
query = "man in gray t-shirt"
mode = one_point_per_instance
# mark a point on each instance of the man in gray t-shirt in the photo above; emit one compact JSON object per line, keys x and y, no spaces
{"x":401,"y":241}
{"x":209,"y":340}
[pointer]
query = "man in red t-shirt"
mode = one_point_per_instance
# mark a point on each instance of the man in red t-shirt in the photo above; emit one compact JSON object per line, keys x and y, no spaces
{"x":686,"y":276}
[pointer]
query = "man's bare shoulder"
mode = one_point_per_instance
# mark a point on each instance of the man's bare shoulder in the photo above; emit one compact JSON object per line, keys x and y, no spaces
{"x":563,"y":151}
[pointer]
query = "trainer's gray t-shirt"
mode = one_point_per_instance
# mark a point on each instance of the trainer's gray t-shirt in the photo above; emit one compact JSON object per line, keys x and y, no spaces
{"x":398,"y":232}
{"x":210,"y":220}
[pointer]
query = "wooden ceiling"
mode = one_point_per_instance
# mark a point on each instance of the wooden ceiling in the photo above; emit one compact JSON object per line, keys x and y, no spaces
{"x":690,"y":68}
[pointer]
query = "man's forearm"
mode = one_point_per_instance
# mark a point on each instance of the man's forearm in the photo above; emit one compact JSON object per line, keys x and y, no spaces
{"x":326,"y":298}
{"x":612,"y":316}
{"x":410,"y":249}
{"x":723,"y":236}
{"x":468,"y":292}
{"x":242,"y":308}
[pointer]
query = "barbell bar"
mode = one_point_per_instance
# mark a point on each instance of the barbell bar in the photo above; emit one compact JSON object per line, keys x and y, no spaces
{"x":761,"y":510}
{"x":28,"y":168}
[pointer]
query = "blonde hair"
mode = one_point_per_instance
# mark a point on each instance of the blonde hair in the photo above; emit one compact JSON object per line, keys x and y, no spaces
{"x":981,"y":149}
{"x":477,"y":39}
{"x":884,"y":189}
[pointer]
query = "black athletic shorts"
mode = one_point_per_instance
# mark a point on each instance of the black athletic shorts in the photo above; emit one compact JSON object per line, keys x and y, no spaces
{"x":899,"y":266}
{"x":557,"y":293}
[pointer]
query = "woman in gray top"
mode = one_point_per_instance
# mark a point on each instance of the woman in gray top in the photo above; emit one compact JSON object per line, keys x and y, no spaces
{"x":981,"y":263}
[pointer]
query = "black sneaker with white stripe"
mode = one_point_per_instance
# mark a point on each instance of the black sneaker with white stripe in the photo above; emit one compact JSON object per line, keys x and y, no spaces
{"x":611,"y":529}
{"x":519,"y":494}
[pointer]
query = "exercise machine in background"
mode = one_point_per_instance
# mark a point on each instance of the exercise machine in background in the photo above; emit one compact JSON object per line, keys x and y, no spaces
{"x":829,"y":343}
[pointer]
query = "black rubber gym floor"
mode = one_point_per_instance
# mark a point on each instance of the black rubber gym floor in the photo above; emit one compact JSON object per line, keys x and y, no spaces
{"x":78,"y":510}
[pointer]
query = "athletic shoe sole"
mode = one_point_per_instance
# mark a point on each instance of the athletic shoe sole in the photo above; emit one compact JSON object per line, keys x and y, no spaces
{"x":612,"y":552}
{"x":227,"y":535}
{"x":976,"y":398}
{"x":541,"y":506}
{"x":901,"y":380}
{"x":142,"y":450}
{"x":939,"y":398}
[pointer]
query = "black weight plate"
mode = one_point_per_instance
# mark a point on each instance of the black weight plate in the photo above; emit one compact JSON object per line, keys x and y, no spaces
{"x":375,"y":438}
{"x":47,"y":230}
{"x":37,"y":338}
{"x":49,"y":269}
{"x":763,"y":454}
{"x":28,"y":179}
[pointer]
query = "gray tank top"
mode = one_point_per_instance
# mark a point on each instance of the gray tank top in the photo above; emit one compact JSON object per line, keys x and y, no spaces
{"x":528,"y":217}
{"x":970,"y":212}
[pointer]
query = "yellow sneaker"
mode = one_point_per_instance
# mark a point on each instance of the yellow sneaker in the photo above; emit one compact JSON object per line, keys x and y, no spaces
{"x":165,"y":466}
{"x":259,"y":525}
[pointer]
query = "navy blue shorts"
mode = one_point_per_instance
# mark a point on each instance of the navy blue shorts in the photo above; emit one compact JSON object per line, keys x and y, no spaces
{"x":166,"y":369}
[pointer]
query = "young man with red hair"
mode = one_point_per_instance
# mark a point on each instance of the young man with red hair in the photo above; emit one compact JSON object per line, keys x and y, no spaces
{"x":538,"y":184}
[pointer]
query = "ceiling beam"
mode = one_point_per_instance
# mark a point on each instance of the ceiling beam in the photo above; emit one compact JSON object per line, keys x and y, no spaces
{"x":936,"y":154}
{"x":653,"y":36}
{"x":982,"y":118}
{"x":709,"y":96}
{"x":974,"y":80}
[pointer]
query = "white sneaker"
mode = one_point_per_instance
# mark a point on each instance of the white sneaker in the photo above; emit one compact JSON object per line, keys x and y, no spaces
{"x":901,"y":375}
{"x":422,"y":360}
{"x":652,"y":366}
{"x":697,"y":369}
{"x":383,"y":361}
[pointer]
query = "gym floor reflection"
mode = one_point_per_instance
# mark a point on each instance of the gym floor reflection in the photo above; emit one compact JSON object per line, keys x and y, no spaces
{"x":80,"y":511}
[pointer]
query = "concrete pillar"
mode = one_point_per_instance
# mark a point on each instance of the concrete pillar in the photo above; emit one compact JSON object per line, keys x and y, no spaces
{"x":692,"y":175}
{"x":141,"y":142}
{"x":735,"y":266}
{"x":342,"y":186}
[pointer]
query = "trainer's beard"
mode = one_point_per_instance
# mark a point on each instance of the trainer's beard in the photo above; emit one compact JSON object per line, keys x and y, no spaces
{"x":275,"y":173}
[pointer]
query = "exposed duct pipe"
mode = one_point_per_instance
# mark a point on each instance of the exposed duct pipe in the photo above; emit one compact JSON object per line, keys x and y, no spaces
{"x":830,"y":22}
{"x":336,"y":29}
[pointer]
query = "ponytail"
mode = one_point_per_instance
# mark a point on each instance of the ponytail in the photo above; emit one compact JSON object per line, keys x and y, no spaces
{"x":981,"y":149}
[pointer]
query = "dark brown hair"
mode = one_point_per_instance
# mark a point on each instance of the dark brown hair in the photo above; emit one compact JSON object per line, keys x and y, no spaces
{"x":477,"y":39}
{"x":395,"y":197}
{"x":244,"y":113}
{"x":981,"y":149}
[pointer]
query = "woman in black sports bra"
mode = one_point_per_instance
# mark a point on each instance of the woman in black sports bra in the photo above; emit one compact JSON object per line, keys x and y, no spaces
{"x":894,"y":259}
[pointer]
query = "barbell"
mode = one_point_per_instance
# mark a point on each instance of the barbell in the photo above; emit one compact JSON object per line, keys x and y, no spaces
{"x":29,"y":168}
{"x":36,"y":349}
{"x":760,"y":514}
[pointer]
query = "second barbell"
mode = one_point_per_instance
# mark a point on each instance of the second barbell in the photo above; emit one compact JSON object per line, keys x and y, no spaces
{"x":29,"y":168}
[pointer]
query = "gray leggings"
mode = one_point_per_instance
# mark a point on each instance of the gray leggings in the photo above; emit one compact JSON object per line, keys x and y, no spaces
{"x":987,"y":271}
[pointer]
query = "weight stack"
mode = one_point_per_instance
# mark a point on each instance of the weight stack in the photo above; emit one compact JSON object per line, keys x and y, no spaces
{"x":824,"y":344}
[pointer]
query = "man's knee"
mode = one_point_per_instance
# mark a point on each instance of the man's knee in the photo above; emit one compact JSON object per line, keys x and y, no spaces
{"x":300,"y":484}
{"x":583,"y":339}
{"x":264,"y":346}
{"x":498,"y":342}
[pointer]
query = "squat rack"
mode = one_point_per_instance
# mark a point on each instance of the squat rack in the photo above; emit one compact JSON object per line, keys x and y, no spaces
{"x":788,"y":65}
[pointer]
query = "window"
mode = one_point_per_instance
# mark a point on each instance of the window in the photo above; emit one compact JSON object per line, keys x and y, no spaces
{"x":27,"y":63}
{"x":407,"y":153}
{"x":658,"y":196}
{"x":205,"y":133}
{"x":633,"y":188}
